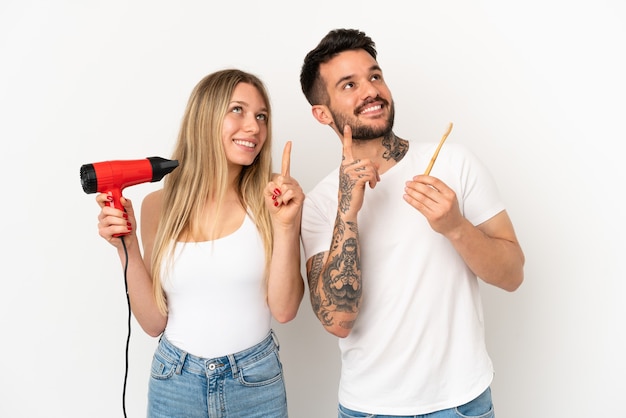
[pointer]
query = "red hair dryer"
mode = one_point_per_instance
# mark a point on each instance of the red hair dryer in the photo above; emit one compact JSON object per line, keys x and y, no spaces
{"x":114,"y":176}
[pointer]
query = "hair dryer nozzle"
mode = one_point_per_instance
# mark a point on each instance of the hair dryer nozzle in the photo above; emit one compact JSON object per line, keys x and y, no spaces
{"x":161,"y":167}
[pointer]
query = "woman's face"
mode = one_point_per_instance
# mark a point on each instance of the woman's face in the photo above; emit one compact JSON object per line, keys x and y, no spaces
{"x":245,"y":126}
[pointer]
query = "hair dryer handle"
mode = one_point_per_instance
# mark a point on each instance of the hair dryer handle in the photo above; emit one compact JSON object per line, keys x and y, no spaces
{"x":116,"y":202}
{"x":116,"y":199}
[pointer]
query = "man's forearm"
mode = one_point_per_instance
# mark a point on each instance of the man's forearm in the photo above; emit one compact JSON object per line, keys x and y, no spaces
{"x":335,"y":284}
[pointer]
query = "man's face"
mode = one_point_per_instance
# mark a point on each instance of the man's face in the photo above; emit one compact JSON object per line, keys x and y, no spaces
{"x":358,"y":95}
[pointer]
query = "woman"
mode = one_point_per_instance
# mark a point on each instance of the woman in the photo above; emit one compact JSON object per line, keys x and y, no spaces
{"x":221,"y":257}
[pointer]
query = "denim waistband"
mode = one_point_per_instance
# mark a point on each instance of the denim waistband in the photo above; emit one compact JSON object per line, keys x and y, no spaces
{"x":230,"y":363}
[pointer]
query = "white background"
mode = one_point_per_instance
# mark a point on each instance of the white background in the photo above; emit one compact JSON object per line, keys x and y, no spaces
{"x":536,"y":89}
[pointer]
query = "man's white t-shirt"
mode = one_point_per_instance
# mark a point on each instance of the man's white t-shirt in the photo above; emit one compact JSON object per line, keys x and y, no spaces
{"x":417,"y":345}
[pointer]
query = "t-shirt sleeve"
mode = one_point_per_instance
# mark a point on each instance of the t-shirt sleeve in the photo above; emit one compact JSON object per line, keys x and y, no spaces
{"x":317,"y":223}
{"x":480,"y":199}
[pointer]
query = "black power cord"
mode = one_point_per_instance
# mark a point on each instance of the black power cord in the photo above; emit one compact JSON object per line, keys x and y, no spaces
{"x":129,"y":321}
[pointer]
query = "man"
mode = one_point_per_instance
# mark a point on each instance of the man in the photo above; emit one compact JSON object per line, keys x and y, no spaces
{"x":394,"y":256}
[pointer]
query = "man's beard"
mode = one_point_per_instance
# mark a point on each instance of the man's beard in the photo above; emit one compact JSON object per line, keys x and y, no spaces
{"x":362,"y":132}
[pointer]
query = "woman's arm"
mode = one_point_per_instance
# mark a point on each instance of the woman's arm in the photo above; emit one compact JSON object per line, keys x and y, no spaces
{"x":112,"y":221}
{"x":284,"y":198}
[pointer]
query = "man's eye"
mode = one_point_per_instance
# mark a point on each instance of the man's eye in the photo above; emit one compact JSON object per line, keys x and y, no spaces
{"x":348,"y":86}
{"x":376,"y":77}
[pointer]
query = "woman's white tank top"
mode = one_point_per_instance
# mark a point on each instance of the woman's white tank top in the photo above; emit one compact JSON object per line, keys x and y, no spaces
{"x":216,"y":294}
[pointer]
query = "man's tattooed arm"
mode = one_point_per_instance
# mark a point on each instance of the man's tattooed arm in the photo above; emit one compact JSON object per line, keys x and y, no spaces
{"x":334,"y":276}
{"x":335,"y":280}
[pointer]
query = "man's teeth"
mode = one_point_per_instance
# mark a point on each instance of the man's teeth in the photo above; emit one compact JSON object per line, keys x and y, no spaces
{"x":371,"y":108}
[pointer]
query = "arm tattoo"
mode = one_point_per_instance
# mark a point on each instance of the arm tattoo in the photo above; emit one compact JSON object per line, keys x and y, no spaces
{"x":342,"y":278}
{"x":335,"y":286}
{"x":345,"y":189}
{"x":340,"y":230}
{"x":338,"y":233}
{"x":319,"y":306}
{"x":396,"y":148}
{"x":352,"y":226}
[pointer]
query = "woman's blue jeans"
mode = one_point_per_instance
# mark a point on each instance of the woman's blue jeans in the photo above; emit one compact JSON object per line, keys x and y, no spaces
{"x":481,"y":407}
{"x":245,"y":384}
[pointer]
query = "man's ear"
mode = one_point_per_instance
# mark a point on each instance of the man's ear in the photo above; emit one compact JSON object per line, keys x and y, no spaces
{"x":322,"y":114}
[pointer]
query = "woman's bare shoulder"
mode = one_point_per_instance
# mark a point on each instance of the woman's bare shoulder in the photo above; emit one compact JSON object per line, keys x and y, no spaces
{"x":151,"y":206}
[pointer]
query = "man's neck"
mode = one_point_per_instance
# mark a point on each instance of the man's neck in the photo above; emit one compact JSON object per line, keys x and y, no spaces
{"x":385,"y":151}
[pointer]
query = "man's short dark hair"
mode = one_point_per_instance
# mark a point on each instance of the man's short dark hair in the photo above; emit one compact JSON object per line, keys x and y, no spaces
{"x":335,"y":42}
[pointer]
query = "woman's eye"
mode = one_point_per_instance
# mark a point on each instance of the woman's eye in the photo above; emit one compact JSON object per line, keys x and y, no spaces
{"x":262,"y":116}
{"x":237,"y":109}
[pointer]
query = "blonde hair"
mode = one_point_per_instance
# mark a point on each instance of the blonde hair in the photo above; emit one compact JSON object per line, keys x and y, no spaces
{"x":202,"y":172}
